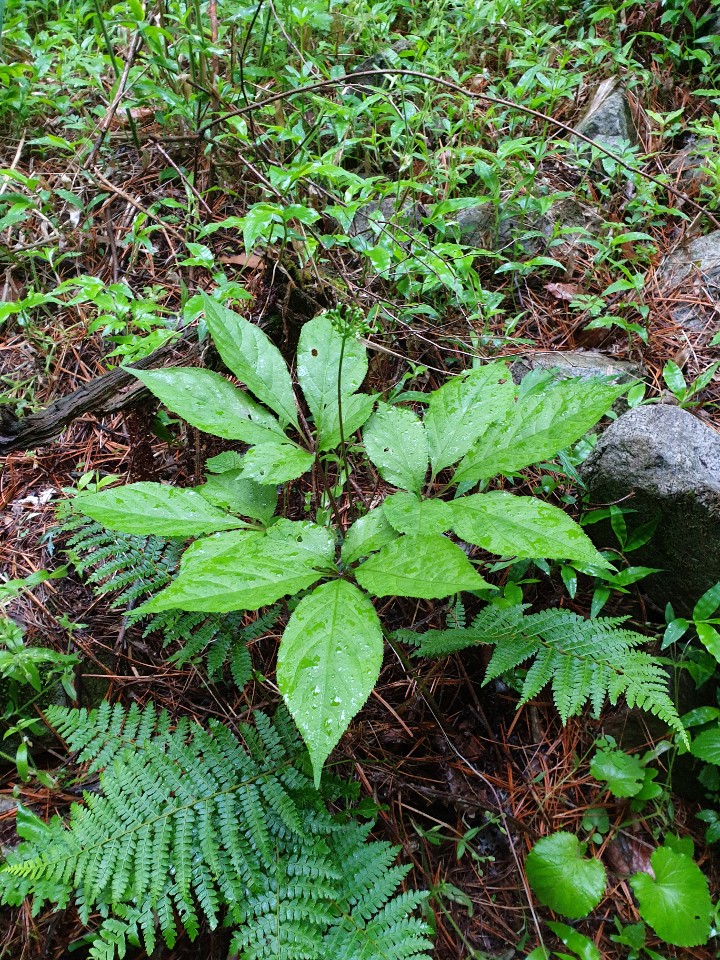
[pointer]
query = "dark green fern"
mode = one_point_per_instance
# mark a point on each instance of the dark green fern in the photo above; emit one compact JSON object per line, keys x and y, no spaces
{"x":582,"y":660}
{"x":134,"y":568}
{"x":192,"y":826}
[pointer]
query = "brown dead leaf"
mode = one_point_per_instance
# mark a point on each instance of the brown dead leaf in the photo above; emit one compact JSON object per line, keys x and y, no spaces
{"x":249,"y":260}
{"x":627,"y":856}
{"x":563,"y":291}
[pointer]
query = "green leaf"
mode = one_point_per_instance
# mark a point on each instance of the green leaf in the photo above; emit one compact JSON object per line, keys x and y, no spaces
{"x":463,"y":408}
{"x":229,"y":460}
{"x":428,"y":566}
{"x":523,"y":527}
{"x":676,"y":901}
{"x":706,"y":745}
{"x":407,"y":514}
{"x":230,"y":491}
{"x":562,"y":878}
{"x":253,"y":359}
{"x":707,"y":604}
{"x":396,"y":443}
{"x":710,"y":639}
{"x":673,"y":377}
{"x":242,"y":571}
{"x":624,"y":774}
{"x":328,"y":663}
{"x":328,"y":383}
{"x":537,"y":427}
{"x":356,"y":408}
{"x":366,"y":535}
{"x":276,"y":463}
{"x":207,"y":401}
{"x":31,"y":827}
{"x":581,"y":945}
{"x":154,"y":508}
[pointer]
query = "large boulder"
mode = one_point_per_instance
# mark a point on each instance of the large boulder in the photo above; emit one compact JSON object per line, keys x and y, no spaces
{"x":691,"y":279}
{"x":662,"y":461}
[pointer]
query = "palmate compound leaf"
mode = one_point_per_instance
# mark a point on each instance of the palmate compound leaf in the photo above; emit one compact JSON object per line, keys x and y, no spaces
{"x":537,"y":427}
{"x":561,"y":876}
{"x":330,"y":368}
{"x":253,"y":359}
{"x":395,"y":441}
{"x":427,"y":566}
{"x":676,"y":902}
{"x":154,"y":508}
{"x":246,"y":570}
{"x":328,"y":663}
{"x":524,"y":527}
{"x":207,"y":401}
{"x":463,"y":408}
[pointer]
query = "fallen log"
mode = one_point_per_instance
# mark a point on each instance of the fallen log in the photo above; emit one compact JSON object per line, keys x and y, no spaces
{"x":106,"y":394}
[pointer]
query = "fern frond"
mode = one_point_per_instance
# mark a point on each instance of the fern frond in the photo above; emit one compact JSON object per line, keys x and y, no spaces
{"x":582,"y":660}
{"x":131,"y":568}
{"x":192,"y":825}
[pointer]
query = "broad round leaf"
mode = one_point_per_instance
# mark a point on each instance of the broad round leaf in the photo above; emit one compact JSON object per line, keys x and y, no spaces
{"x":154,"y":508}
{"x":396,"y":443}
{"x":524,"y":527}
{"x":428,"y":566}
{"x":706,"y":745}
{"x":676,"y":902}
{"x":207,"y":401}
{"x":408,"y":514}
{"x":328,"y":663}
{"x":253,"y":359}
{"x":562,"y":878}
{"x":624,"y":774}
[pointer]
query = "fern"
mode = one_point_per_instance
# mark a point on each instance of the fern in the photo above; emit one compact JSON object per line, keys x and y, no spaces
{"x":582,"y":660}
{"x":191,"y":826}
{"x":134,"y":568}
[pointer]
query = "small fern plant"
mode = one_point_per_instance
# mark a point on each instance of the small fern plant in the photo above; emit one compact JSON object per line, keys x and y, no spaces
{"x":582,"y":660}
{"x":476,"y":426}
{"x":193,"y":826}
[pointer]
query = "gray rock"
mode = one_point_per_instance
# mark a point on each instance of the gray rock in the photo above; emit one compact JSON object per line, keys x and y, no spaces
{"x":564,"y":227}
{"x":576,"y":363}
{"x":395,"y":212}
{"x":691,"y":278}
{"x":663,"y":462}
{"x":608,"y":118}
{"x":689,"y":166}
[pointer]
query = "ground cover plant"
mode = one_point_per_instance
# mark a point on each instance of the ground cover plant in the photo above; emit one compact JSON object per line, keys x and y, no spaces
{"x":306,"y":648}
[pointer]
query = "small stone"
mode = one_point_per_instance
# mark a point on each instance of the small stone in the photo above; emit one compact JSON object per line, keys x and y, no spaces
{"x":608,"y":118}
{"x":662,"y":461}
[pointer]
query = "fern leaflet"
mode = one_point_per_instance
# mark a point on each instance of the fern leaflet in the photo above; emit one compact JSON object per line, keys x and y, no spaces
{"x":582,"y":660}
